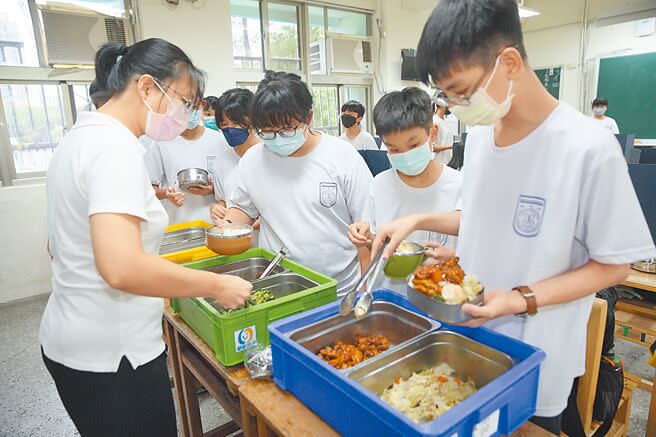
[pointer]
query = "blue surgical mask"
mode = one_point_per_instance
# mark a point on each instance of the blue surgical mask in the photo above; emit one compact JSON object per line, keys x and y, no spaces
{"x":194,"y":119}
{"x":414,"y":161}
{"x":210,"y":123}
{"x":235,"y":136}
{"x":286,"y":146}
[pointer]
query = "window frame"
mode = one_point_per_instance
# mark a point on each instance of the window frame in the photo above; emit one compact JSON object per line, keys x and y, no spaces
{"x":44,"y":74}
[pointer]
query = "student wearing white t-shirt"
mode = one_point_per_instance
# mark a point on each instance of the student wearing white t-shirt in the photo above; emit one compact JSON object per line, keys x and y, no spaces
{"x":536,"y":223}
{"x":443,"y":145}
{"x":416,"y":183}
{"x":306,"y":187}
{"x":196,"y":147}
{"x":232,"y":116}
{"x":101,"y":332}
{"x":599,"y":108}
{"x":351,"y":118}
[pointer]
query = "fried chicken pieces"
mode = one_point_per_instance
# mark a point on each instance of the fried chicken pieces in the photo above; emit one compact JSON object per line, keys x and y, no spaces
{"x":344,"y":355}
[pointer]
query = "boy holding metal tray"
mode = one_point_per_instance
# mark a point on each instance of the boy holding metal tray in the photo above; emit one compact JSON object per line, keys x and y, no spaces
{"x":548,"y":214}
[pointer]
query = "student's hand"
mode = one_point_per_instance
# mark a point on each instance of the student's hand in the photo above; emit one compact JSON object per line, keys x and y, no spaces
{"x":495,"y":304}
{"x":231,"y":291}
{"x":202,"y":190}
{"x":218,"y":212}
{"x":176,"y":199}
{"x":396,"y":231}
{"x":438,"y":252}
{"x":360,"y":234}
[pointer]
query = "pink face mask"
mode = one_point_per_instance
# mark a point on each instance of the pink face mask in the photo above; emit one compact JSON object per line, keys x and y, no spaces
{"x":167,"y":126}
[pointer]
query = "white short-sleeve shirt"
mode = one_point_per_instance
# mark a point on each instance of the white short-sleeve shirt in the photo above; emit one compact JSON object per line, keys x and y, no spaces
{"x":98,"y":168}
{"x":608,"y":123}
{"x":390,"y":198}
{"x":226,"y":174}
{"x":444,"y":138}
{"x":362,"y":141}
{"x":307,"y":203}
{"x":167,"y":158}
{"x":541,"y":207}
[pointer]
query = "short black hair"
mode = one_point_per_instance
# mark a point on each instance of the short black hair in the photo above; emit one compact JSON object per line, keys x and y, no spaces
{"x":600,"y":101}
{"x":354,"y":106}
{"x":210,"y":102}
{"x":462,"y":32}
{"x":403,"y":110}
{"x":281,"y":100}
{"x":117,"y":65}
{"x":235,"y":104}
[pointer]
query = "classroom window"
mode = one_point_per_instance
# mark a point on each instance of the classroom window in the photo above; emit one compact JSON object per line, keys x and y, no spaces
{"x":82,"y":99}
{"x":317,"y":39}
{"x":326,"y":108}
{"x":17,"y":44}
{"x":348,"y":22}
{"x":35,"y":122}
{"x":246,"y":34}
{"x":283,"y":37}
{"x":114,"y":8}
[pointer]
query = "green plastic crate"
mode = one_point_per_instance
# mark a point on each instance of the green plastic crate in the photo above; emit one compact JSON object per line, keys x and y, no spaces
{"x":229,"y":335}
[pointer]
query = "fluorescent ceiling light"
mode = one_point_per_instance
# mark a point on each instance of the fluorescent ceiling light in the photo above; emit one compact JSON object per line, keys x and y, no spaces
{"x":525,"y":12}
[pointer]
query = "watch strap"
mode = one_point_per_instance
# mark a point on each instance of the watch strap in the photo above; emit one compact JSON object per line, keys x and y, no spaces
{"x":531,"y":301}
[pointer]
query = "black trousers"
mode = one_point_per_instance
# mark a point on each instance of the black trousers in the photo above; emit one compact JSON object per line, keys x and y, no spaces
{"x":551,"y":424}
{"x":131,"y":402}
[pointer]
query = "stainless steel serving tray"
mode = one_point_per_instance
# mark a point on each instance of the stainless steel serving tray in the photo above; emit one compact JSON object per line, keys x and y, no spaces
{"x":467,"y":357}
{"x":184,"y":239}
{"x":281,"y":285}
{"x":249,"y":269}
{"x":383,"y":318}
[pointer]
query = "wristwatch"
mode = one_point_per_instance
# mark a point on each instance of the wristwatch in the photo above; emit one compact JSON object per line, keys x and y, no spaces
{"x":531,"y":302}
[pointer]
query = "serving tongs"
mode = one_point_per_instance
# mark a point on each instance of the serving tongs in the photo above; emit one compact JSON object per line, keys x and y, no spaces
{"x":346,"y":305}
{"x":274,"y":262}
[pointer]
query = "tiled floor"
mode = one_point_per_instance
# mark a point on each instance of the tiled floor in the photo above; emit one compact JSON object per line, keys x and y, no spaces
{"x":29,"y":405}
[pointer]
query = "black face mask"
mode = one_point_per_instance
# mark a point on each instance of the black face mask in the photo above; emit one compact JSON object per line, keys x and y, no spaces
{"x":348,"y":120}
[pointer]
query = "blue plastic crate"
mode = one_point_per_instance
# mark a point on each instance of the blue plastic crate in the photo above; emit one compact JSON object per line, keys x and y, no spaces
{"x":500,"y":407}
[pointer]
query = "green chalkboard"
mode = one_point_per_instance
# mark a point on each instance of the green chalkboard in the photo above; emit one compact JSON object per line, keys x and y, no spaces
{"x":550,"y":78}
{"x":629,"y":84}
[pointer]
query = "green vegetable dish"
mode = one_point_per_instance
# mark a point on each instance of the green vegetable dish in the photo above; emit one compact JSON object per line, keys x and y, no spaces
{"x":258,"y":297}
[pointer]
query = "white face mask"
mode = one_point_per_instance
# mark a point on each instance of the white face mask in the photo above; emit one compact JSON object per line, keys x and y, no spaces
{"x":599,"y":110}
{"x":482,"y":109}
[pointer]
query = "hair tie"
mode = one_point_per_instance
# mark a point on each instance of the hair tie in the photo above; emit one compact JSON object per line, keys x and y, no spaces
{"x":118,"y":58}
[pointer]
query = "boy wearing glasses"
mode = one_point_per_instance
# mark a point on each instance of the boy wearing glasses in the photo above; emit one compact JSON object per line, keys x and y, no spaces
{"x":306,"y":187}
{"x":547,"y":217}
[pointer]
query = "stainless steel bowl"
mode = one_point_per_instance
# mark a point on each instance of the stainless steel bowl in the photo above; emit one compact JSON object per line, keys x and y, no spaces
{"x":446,"y":312}
{"x":192,"y":177}
{"x":184,"y":239}
{"x":249,"y":269}
{"x":646,"y":266}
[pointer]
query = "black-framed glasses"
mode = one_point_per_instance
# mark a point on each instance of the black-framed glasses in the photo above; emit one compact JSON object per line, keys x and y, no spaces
{"x":284,"y":133}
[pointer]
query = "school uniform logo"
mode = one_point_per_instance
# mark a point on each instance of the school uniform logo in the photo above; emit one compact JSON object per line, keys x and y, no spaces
{"x":210,"y":163}
{"x":529,"y":215}
{"x":328,"y":194}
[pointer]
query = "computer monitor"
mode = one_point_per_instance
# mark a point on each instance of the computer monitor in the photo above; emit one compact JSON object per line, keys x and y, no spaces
{"x":643,"y":177}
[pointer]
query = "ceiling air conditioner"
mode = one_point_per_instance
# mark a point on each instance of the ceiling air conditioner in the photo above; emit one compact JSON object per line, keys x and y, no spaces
{"x":73,"y":39}
{"x":350,"y":55}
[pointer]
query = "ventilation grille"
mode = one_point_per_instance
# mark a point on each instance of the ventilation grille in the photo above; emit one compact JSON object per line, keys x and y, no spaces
{"x":115,"y":29}
{"x":366,"y":51}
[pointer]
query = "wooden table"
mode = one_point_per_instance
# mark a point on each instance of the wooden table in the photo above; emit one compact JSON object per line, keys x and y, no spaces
{"x":639,"y":317}
{"x":194,"y":364}
{"x":268,"y":411}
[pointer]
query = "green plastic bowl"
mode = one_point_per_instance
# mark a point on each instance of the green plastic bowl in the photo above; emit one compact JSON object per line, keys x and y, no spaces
{"x":403,"y":264}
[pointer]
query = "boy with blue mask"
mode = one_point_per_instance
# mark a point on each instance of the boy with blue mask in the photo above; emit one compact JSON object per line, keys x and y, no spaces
{"x":548,"y":214}
{"x":232,"y":113}
{"x":196,"y":147}
{"x":416,"y":183}
{"x":306,"y":187}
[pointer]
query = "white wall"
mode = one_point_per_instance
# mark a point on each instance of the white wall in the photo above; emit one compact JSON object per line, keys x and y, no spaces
{"x":557,"y":47}
{"x":24,"y":264}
